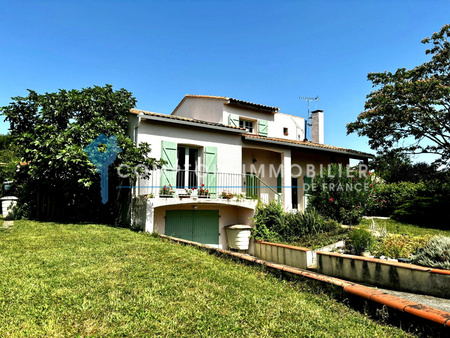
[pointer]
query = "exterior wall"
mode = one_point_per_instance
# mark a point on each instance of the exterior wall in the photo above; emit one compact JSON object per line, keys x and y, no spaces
{"x":205,"y":109}
{"x":295,"y":125}
{"x":228,"y":215}
{"x":246,"y":113}
{"x":228,"y":145}
{"x":392,"y":275}
{"x":265,"y":159}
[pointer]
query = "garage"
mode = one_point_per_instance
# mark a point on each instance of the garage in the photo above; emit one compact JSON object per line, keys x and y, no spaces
{"x":200,"y":226}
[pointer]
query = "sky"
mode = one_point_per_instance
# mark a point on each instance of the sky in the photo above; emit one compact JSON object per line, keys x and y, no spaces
{"x":266,"y":52}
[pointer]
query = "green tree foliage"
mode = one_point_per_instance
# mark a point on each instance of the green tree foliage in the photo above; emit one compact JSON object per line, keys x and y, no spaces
{"x":410,"y":109}
{"x":394,"y":166}
{"x":51,"y":130}
{"x":9,"y":160}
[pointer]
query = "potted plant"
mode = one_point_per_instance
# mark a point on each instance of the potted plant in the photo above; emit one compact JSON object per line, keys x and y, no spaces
{"x":226,"y":195}
{"x":166,"y":191}
{"x":202,"y":192}
{"x":187,"y":193}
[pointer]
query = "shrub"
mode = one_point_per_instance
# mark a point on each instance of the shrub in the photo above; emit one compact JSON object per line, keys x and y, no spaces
{"x":396,"y":246}
{"x":361,"y":240}
{"x":344,"y":195}
{"x":423,"y":203}
{"x":435,"y":254}
{"x":268,"y":221}
{"x":271,"y":223}
{"x":309,"y":222}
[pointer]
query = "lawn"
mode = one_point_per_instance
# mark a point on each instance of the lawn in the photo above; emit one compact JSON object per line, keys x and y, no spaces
{"x":395,"y":227}
{"x":96,"y":280}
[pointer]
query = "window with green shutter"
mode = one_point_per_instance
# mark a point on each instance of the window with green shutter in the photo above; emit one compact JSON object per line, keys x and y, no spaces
{"x":169,"y":154}
{"x":211,"y":170}
{"x":233,"y":120}
{"x":263,"y":127}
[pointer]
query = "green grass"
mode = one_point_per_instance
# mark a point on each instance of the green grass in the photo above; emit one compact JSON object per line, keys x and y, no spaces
{"x":317,"y":241}
{"x":95,"y":280}
{"x":396,"y":227}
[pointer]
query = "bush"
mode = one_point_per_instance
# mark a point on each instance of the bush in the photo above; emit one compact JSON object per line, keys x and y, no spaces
{"x":344,"y":195}
{"x":361,"y":240}
{"x":268,"y":221}
{"x":271,"y":223}
{"x":396,"y":246}
{"x":423,"y":203}
{"x":435,"y":254}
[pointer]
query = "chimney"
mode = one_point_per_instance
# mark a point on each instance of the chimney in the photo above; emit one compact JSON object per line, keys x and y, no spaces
{"x":317,"y":126}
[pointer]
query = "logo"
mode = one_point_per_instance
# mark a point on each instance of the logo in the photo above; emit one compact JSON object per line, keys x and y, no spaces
{"x":102,"y":158}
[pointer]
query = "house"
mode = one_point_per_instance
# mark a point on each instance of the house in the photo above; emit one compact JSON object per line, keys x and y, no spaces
{"x":216,"y":147}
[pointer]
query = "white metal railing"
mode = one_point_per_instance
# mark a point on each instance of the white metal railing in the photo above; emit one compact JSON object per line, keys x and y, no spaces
{"x":192,"y":183}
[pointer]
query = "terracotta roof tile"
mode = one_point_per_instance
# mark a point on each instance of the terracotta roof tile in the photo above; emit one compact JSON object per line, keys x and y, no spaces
{"x":187,"y":119}
{"x":307,"y":144}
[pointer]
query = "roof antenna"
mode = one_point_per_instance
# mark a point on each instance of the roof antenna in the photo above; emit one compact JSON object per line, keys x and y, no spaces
{"x":309,"y":99}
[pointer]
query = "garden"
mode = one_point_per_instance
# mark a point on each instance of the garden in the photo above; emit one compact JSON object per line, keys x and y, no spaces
{"x":402,"y":221}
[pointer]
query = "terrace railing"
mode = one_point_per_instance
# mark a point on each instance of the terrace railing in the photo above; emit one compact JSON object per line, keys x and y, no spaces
{"x":213,"y":185}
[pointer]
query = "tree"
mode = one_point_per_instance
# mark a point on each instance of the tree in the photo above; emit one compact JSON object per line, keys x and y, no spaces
{"x":51,"y":130}
{"x":410,"y":109}
{"x":9,"y":161}
{"x":393,"y":166}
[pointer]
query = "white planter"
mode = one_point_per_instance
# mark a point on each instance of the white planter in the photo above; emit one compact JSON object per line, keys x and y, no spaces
{"x":8,"y":203}
{"x":238,"y":236}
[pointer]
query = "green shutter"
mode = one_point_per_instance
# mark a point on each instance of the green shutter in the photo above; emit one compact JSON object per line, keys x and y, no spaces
{"x":251,"y":190}
{"x":279,"y":184}
{"x":169,"y":154}
{"x":307,"y":180}
{"x":263,"y":127}
{"x":233,"y":120}
{"x":211,"y":170}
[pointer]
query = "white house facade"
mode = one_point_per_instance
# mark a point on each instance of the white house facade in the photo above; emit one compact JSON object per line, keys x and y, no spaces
{"x":223,"y":155}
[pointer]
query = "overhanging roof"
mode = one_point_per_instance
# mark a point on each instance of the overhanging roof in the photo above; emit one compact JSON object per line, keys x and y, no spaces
{"x":307,"y":145}
{"x":186,"y":121}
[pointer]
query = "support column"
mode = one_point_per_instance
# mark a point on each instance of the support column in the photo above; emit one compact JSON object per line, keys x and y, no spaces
{"x":287,"y":191}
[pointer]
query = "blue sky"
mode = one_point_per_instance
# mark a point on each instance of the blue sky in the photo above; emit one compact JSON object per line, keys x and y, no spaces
{"x":267,"y":52}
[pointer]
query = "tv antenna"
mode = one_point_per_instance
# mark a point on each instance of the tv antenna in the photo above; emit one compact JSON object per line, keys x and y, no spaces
{"x":308,"y":99}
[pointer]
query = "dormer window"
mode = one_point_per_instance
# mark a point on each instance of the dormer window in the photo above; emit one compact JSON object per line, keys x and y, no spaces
{"x":247,"y":125}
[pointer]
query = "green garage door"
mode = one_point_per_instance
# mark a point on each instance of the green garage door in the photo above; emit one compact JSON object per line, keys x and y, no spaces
{"x":200,"y":226}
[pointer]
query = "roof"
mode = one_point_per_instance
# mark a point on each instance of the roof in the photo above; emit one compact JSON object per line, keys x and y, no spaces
{"x":187,"y":120}
{"x":231,"y":101}
{"x":307,"y":144}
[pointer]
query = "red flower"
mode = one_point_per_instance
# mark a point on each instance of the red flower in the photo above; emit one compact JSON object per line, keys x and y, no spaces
{"x":331,"y":199}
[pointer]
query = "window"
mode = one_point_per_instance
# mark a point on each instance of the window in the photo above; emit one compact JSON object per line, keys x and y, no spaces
{"x":247,"y":125}
{"x":285,"y":131}
{"x":187,"y":160}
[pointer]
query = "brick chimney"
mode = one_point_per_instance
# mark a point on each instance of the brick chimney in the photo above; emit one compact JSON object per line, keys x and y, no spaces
{"x":317,"y":126}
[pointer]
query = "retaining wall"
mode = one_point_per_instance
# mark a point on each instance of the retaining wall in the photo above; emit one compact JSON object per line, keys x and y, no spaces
{"x":285,"y":254}
{"x":382,"y":273}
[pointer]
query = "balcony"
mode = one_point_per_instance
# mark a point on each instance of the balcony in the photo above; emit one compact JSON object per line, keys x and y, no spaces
{"x":198,"y":186}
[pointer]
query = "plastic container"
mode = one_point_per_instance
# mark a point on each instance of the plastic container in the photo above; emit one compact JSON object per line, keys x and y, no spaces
{"x":238,"y":236}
